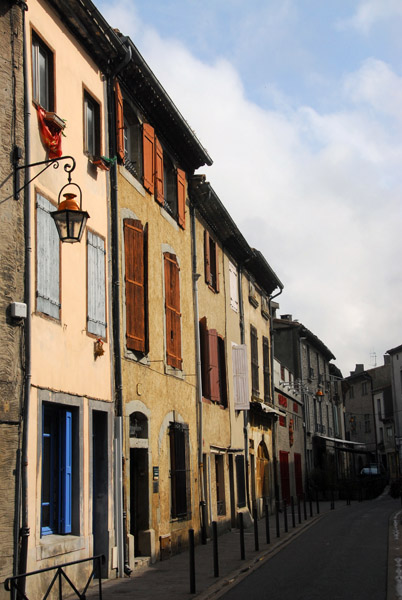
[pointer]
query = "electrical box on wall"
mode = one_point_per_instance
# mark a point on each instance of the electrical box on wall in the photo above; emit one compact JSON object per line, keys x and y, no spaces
{"x":18,"y":310}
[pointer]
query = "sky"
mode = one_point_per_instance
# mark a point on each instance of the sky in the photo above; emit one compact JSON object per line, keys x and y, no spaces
{"x":299,"y":104}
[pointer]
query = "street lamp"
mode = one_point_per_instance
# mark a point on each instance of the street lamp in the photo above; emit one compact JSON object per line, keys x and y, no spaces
{"x":70,"y":219}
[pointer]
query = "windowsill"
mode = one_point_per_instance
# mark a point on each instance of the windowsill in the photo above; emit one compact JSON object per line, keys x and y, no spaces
{"x":175,"y":372}
{"x":214,"y":290}
{"x":137,"y":357}
{"x":253,"y":301}
{"x":55,"y":545}
{"x":169,"y":218}
{"x":132,"y":180}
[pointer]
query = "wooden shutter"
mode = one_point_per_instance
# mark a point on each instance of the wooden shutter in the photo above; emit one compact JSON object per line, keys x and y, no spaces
{"x":222,"y":372}
{"x":207,"y":258}
{"x":240,"y":377}
{"x":119,"y":122}
{"x":96,"y":284}
{"x":66,"y":461}
{"x":172,"y":309}
{"x":213,"y":365}
{"x":266,"y":367}
{"x":181,"y":198}
{"x":159,"y":186}
{"x":234,"y":289}
{"x":254,"y":360}
{"x":216,"y":259}
{"x":47,"y":260}
{"x":134,"y":247}
{"x":148,"y":153}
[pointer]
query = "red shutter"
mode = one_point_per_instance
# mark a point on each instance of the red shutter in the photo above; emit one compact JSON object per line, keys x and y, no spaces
{"x":159,"y":191}
{"x":181,"y":198}
{"x":207,"y":258}
{"x":213,"y":366}
{"x":135,"y":284}
{"x":172,"y":307}
{"x":148,"y":151}
{"x":119,"y":122}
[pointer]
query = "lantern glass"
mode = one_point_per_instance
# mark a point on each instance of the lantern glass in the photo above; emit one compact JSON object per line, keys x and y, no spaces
{"x":70,"y":224}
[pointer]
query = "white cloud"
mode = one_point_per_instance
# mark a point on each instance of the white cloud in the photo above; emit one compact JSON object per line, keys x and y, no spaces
{"x":318,"y":194}
{"x":370,"y":12}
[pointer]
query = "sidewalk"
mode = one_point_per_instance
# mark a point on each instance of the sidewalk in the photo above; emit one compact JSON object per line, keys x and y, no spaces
{"x":170,"y":579}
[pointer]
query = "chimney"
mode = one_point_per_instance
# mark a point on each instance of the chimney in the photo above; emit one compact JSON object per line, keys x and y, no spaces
{"x":286,"y":317}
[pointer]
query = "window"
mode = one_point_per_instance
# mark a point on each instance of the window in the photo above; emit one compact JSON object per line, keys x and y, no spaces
{"x":129,"y":135}
{"x":211,"y":262}
{"x":367,"y":424}
{"x":364,"y":388}
{"x":42,"y":74}
{"x":351,"y":392}
{"x":213,"y":364}
{"x":167,"y":183}
{"x":266,"y":368}
{"x":91,"y":126}
{"x":47,"y":260}
{"x":179,"y":471}
{"x":172,"y":310}
{"x":220,"y":485}
{"x":282,"y":420}
{"x":234,"y":290}
{"x":135,"y":283}
{"x":57,"y":469}
{"x":283,"y":373}
{"x":96,"y":285}
{"x":254,"y":361}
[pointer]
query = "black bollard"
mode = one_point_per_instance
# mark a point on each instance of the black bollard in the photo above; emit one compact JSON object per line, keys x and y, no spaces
{"x":267,"y":532}
{"x":203,"y":508}
{"x":332,"y":500}
{"x":311,"y":505}
{"x":285,"y":516}
{"x":192,"y":560}
{"x":292,"y":504}
{"x":241,"y":525}
{"x":215,"y":538}
{"x":305,"y":507}
{"x":255,"y":517}
{"x":299,"y":509}
{"x":317,"y":501}
{"x":278,"y":533}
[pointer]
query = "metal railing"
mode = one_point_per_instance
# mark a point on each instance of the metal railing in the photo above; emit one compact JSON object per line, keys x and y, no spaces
{"x":16,"y":585}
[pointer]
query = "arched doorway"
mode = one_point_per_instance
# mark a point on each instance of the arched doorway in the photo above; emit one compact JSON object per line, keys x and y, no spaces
{"x":262,"y":474}
{"x":139,"y":481}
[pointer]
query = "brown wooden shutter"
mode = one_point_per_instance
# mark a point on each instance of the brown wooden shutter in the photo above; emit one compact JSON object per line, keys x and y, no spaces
{"x":207,"y":258}
{"x":181,"y":198}
{"x":159,"y":188}
{"x":119,"y":122}
{"x":134,"y":246}
{"x":213,"y":366}
{"x":172,"y":308}
{"x":148,"y":151}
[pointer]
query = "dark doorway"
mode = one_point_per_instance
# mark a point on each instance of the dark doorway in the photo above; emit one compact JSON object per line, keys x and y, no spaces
{"x":100,"y":488}
{"x":139,"y":501}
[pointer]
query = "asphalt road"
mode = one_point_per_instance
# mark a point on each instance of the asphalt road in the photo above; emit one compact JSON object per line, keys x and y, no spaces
{"x":341,"y":557}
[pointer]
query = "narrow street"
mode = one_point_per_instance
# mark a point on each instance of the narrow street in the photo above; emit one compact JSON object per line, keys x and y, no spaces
{"x":342,"y":557}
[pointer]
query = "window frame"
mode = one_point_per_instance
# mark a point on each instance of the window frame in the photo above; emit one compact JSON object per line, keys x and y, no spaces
{"x":173,"y":342}
{"x":37,"y":45}
{"x":255,"y":385}
{"x":211,"y":262}
{"x":98,"y":284}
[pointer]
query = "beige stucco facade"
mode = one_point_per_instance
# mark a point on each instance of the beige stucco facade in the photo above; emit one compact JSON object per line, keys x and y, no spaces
{"x":153,"y":391}
{"x":68,"y":378}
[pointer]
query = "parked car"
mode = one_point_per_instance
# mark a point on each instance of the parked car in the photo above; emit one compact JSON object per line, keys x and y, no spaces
{"x":373,"y":470}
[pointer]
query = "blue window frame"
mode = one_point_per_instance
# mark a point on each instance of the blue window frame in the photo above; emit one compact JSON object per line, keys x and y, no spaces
{"x":57,"y":455}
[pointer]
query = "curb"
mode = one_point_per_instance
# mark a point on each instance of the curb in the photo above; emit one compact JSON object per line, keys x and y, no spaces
{"x":394,"y":579}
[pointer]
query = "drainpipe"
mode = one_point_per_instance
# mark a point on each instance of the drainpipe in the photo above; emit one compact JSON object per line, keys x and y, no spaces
{"x":23,"y":508}
{"x":245,"y":412}
{"x":275,"y":419}
{"x":196,"y":276}
{"x":121,"y":500}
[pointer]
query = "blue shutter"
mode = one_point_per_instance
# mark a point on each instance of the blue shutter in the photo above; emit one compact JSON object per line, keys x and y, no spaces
{"x":66,"y":455}
{"x":96,"y":305}
{"x":47,"y":260}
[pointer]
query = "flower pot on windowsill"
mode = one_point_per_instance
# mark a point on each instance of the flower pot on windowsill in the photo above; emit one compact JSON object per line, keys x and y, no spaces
{"x":102,"y":162}
{"x":56,"y":122}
